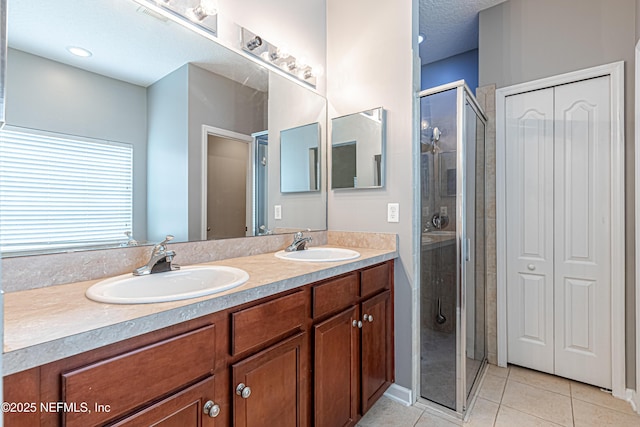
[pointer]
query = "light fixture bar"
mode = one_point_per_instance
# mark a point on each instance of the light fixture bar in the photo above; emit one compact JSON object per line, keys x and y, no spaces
{"x":271,"y":54}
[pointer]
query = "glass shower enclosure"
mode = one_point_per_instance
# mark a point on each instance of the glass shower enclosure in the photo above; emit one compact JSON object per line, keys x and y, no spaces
{"x":452,"y":250}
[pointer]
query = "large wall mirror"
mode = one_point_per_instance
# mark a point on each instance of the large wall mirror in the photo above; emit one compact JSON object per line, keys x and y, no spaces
{"x":358,"y":150}
{"x":194,"y":127}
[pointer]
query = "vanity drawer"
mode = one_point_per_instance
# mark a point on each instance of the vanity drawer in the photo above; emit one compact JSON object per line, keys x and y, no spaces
{"x":334,"y":295}
{"x":132,"y":379}
{"x":260,"y":324}
{"x":374,"y":279}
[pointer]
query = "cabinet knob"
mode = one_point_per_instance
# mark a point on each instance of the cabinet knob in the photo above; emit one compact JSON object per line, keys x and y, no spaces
{"x":211,"y":409}
{"x":367,"y":318}
{"x":243,"y":390}
{"x":357,"y":324}
{"x":531,"y":267}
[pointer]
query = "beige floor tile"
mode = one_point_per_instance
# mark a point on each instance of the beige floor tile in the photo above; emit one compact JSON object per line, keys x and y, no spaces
{"x":388,"y":413}
{"x":483,"y":414}
{"x":497,"y":371}
{"x":492,"y":388}
{"x":590,"y":415}
{"x":540,"y":380}
{"x":540,"y":403}
{"x":430,"y":420}
{"x":591,"y":394}
{"x":508,"y":417}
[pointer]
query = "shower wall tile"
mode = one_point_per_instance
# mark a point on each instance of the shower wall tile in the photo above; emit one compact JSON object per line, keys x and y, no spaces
{"x":486,"y":96}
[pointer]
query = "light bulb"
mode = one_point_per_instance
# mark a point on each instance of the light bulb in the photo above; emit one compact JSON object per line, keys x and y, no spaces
{"x":200,"y":12}
{"x":318,"y":70}
{"x":284,"y":52}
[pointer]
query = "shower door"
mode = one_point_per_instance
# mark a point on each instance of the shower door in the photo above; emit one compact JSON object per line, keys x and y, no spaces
{"x":452,"y":245}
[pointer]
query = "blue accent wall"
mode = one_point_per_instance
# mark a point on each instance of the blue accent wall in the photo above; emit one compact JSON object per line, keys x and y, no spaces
{"x":458,"y":67}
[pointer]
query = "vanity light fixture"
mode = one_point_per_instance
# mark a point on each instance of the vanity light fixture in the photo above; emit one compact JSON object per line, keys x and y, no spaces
{"x":279,"y":57}
{"x":200,"y":12}
{"x":203,"y":17}
{"x":79,"y":51}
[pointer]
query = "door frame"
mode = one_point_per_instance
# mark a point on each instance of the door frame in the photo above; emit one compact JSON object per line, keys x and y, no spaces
{"x":616,"y":72}
{"x":206,"y":131}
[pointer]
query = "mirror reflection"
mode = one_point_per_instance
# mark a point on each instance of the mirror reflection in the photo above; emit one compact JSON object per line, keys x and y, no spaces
{"x":357,"y":150}
{"x":300,"y":159}
{"x":195,"y":115}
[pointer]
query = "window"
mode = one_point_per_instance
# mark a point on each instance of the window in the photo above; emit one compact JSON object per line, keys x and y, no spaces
{"x":63,"y":192}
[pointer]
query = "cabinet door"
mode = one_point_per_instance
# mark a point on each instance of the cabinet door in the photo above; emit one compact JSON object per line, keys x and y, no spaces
{"x":377,"y":348}
{"x":336,"y":373}
{"x":269,"y":388}
{"x":182,"y":409}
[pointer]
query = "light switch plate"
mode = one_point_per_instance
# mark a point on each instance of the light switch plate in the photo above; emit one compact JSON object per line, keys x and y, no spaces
{"x":277,"y":211}
{"x":393,"y":212}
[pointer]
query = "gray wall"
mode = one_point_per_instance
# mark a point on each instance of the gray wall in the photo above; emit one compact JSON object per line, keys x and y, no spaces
{"x":299,"y":210}
{"x":216,"y":101}
{"x":371,"y":64}
{"x":179,"y":104}
{"x":167,"y":195}
{"x":523,"y":40}
{"x":51,"y":96}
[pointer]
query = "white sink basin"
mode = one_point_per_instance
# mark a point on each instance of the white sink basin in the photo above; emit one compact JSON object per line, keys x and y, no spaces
{"x":188,"y":282}
{"x":319,"y":255}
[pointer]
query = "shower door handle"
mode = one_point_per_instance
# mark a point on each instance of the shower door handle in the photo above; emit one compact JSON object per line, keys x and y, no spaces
{"x":467,"y":249}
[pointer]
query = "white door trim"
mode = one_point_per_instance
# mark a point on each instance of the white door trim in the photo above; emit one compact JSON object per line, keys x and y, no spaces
{"x":206,"y":131}
{"x":616,"y":72}
{"x":635,"y":395}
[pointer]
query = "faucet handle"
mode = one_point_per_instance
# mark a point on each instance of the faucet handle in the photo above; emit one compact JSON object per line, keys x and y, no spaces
{"x":298,"y":235}
{"x":162,"y":244}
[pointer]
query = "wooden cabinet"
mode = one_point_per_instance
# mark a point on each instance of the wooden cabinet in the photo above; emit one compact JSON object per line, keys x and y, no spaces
{"x":190,"y":407}
{"x":377,"y":348}
{"x":336,"y":370}
{"x":353,"y":353}
{"x":319,"y":355}
{"x":268,"y":387}
{"x":118,"y":385}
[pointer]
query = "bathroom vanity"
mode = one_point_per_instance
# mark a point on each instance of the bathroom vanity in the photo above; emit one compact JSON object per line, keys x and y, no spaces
{"x":313,"y":349}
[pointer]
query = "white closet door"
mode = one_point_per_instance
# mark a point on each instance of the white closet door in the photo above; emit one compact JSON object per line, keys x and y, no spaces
{"x":529,"y":189}
{"x":582,"y":236}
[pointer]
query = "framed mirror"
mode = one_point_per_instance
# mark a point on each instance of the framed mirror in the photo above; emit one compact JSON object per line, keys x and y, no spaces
{"x":300,"y":159}
{"x":358,"y":150}
{"x":168,"y":94}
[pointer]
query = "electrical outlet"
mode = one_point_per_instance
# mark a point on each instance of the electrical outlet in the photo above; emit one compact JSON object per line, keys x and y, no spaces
{"x":443,"y":211}
{"x":277,"y":211}
{"x":393,"y":212}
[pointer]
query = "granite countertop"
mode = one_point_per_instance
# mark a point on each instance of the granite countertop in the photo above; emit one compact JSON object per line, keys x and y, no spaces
{"x":48,"y":324}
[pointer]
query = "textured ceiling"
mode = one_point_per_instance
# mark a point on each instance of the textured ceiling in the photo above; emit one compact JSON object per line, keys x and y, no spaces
{"x":450,"y":27}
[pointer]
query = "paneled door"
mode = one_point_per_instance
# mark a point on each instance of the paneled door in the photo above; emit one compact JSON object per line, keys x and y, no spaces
{"x":558,"y":177}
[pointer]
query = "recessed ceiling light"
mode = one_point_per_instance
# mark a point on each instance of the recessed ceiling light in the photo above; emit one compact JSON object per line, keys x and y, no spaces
{"x":420,"y":38}
{"x":78,"y":51}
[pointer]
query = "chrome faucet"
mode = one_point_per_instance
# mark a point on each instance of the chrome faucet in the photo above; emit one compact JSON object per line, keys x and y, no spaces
{"x":299,"y":242}
{"x":161,"y":260}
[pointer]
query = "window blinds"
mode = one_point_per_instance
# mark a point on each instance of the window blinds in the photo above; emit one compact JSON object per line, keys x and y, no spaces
{"x":63,"y":192}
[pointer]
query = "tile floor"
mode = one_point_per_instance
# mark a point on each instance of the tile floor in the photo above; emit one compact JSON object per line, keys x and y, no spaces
{"x":517,"y":397}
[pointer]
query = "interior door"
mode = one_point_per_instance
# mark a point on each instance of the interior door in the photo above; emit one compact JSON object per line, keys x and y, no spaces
{"x":582,"y":239}
{"x":530,"y":223}
{"x":558,"y":230}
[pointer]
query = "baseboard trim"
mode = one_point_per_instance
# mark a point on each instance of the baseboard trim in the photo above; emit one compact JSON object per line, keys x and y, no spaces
{"x":633,"y":398}
{"x":399,"y":394}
